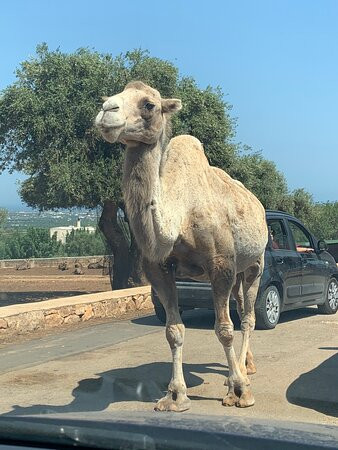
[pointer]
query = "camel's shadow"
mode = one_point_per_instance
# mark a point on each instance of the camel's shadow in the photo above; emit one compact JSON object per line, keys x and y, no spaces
{"x":317,"y":389}
{"x":198,"y":319}
{"x":145,"y":383}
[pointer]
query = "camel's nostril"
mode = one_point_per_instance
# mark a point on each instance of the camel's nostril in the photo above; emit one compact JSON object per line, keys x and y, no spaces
{"x":111,"y":108}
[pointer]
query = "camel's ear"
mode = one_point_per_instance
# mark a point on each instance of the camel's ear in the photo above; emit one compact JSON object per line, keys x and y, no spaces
{"x":104,"y":98}
{"x":171,"y":105}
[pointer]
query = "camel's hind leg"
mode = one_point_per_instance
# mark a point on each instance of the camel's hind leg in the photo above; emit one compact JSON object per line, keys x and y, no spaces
{"x":237,"y":292}
{"x":222,"y":277}
{"x":250,"y":283}
{"x":163,"y":281}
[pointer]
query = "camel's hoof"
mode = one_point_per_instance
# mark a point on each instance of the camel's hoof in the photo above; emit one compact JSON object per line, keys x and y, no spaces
{"x":245,"y":400}
{"x":180,"y":404}
{"x":251,"y":369}
{"x":230,"y":399}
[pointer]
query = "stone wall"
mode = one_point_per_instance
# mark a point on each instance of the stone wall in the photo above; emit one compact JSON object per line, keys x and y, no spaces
{"x":22,"y":319}
{"x":48,"y":262}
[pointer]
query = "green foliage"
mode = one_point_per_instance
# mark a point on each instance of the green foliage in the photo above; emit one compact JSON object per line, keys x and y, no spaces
{"x":35,"y":243}
{"x":324,"y":220}
{"x":263,"y":179}
{"x":47,"y":130}
{"x":83,"y":243}
{"x":303,"y":206}
{"x":3,"y":216}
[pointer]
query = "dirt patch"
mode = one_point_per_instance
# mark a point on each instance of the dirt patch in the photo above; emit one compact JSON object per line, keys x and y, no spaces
{"x":44,"y":283}
{"x":34,"y":378}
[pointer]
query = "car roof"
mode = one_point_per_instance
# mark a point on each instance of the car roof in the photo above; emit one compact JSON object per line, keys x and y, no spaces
{"x":272,"y":212}
{"x":275,"y":213}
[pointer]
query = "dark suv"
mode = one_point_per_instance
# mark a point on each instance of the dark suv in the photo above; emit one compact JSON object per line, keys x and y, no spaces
{"x":298,"y":272}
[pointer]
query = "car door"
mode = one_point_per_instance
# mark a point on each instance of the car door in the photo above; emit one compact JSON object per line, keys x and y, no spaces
{"x":313,"y":268}
{"x":287,"y":261}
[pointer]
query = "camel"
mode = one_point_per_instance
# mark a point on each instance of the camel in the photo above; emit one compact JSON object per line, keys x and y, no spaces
{"x":24,"y":265}
{"x":78,"y":268}
{"x":191,"y":220}
{"x":96,"y":265}
{"x":63,"y":265}
{"x":103,"y":263}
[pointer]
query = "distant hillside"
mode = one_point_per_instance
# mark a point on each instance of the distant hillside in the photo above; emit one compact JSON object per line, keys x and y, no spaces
{"x":23,"y":219}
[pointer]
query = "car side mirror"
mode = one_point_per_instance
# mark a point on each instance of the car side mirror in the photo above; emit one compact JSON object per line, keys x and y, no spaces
{"x":322,"y":246}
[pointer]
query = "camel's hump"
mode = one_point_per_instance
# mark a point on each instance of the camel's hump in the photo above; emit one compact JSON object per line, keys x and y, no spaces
{"x":185,"y":140}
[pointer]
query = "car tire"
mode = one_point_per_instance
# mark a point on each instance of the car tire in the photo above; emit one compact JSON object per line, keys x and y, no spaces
{"x":158,"y":307}
{"x":330,"y":306}
{"x":268,"y":309}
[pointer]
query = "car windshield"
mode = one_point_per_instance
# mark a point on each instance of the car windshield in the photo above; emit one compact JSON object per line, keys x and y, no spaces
{"x":168,"y":210}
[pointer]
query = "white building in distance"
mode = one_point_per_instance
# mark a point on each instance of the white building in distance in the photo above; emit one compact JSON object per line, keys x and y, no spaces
{"x":62,"y":232}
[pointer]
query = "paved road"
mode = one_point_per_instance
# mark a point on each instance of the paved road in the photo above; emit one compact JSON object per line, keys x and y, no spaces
{"x":126,"y":366}
{"x":38,"y":351}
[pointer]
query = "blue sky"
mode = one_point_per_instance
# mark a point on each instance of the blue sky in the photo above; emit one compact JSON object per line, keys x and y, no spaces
{"x":276,"y":61}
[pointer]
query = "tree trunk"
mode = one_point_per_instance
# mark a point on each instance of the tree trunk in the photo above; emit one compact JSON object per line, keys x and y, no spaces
{"x":137,"y":276}
{"x":117,"y":245}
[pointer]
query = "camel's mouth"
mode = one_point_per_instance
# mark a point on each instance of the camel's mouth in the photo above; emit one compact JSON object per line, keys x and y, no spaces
{"x":109,"y":125}
{"x":128,"y":137}
{"x":107,"y":128}
{"x":110,"y":133}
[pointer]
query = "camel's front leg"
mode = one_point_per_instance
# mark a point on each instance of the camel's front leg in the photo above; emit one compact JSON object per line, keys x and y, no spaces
{"x":222,"y":277}
{"x":163,"y":281}
{"x":176,"y":398}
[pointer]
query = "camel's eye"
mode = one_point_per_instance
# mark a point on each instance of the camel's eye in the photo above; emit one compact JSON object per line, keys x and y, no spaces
{"x":149,"y":106}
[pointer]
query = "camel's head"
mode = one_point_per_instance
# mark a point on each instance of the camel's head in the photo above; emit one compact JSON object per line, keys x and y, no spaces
{"x":136,"y":115}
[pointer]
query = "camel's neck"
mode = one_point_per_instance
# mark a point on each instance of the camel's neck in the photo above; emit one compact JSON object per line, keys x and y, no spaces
{"x":142,"y":194}
{"x":141,"y":177}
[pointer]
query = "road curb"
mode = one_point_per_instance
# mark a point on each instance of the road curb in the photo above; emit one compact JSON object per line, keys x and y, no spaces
{"x":31,"y":317}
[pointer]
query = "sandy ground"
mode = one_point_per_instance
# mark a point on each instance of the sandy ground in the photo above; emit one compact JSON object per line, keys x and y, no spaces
{"x":39,"y":284}
{"x":296,"y":379}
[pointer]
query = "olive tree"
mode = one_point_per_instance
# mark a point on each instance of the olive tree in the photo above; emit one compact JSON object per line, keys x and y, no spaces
{"x":47,"y":132}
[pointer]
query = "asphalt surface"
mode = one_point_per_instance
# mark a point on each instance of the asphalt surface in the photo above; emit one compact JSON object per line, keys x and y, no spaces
{"x":126,"y":365}
{"x":37,"y":351}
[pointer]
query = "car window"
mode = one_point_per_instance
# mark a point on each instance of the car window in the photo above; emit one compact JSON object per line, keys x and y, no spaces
{"x":277,"y":235}
{"x":302,"y":239}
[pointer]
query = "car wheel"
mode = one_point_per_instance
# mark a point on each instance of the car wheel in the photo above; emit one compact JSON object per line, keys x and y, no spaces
{"x":268,"y":309}
{"x":330,"y":305}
